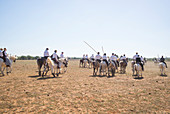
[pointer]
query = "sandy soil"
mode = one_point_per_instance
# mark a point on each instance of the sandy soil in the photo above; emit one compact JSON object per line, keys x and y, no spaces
{"x":77,"y":91}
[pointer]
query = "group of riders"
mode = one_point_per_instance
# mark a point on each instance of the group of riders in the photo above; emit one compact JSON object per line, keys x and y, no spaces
{"x":104,"y":58}
{"x":114,"y":58}
{"x":54,"y":56}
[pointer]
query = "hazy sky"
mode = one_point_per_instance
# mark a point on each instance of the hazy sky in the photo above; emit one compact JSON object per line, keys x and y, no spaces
{"x":27,"y":27}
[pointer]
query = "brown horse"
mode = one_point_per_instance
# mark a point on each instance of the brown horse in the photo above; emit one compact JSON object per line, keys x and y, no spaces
{"x":123,"y":65}
{"x":96,"y":66}
{"x":111,"y":68}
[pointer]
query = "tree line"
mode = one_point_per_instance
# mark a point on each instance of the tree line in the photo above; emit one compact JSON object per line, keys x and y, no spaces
{"x":28,"y":57}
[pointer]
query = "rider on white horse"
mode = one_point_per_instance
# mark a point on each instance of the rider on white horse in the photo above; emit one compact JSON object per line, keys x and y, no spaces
{"x":163,"y":60}
{"x":92,"y":57}
{"x":86,"y":58}
{"x":46,"y":53}
{"x":123,"y":58}
{"x":114,"y":59}
{"x":138,"y":61}
{"x":5,"y":58}
{"x":105,"y":58}
{"x":55,"y":57}
{"x":62,"y":55}
{"x":98,"y":57}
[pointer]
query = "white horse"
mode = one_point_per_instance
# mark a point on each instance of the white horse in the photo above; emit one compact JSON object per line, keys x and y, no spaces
{"x":103,"y":68}
{"x":162,"y":68}
{"x":138,"y":69}
{"x":3,"y":65}
{"x":53,"y":66}
{"x":63,"y":64}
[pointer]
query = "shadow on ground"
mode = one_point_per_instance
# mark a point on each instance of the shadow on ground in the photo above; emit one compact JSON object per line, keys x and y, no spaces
{"x":164,"y":75}
{"x":101,"y":76}
{"x":34,"y":76}
{"x":138,"y":78}
{"x":44,"y":78}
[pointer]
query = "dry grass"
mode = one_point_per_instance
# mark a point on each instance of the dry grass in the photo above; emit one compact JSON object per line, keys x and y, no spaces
{"x":77,"y":91}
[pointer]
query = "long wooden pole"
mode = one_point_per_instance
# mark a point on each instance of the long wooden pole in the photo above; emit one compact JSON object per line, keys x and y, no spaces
{"x":90,"y":47}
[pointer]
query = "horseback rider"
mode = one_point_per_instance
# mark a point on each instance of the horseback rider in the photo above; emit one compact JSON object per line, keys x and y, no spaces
{"x":86,"y":58}
{"x":98,"y":57}
{"x":62,"y":55}
{"x":105,"y":58}
{"x":1,"y":54}
{"x":92,"y":57}
{"x":46,"y":53}
{"x":55,"y":57}
{"x":138,"y":61}
{"x":135,"y":56}
{"x":83,"y":57}
{"x":162,"y":59}
{"x":123,"y":58}
{"x":5,"y":54}
{"x":114,"y":59}
{"x":65,"y":61}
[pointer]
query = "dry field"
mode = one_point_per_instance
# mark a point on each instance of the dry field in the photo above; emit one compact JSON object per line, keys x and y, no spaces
{"x":77,"y":91}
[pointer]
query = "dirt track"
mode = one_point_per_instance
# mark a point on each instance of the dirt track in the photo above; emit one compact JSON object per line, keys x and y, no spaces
{"x":77,"y":91}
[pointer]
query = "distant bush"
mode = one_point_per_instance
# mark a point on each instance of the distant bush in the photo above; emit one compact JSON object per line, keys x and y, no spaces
{"x":28,"y":57}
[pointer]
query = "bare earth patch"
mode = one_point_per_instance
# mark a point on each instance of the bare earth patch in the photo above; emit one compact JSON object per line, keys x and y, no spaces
{"x":77,"y":91}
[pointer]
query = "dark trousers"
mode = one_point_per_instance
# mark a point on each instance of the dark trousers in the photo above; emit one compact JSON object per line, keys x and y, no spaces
{"x":98,"y":60}
{"x":116,"y":64}
{"x":165,"y":64}
{"x":46,"y":57}
{"x":141,"y":65}
{"x":105,"y":61}
{"x":125,"y":61}
{"x":55,"y":60}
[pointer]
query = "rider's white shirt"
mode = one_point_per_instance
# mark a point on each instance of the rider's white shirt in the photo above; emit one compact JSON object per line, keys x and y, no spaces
{"x":92,"y":57}
{"x":46,"y":53}
{"x":135,"y":56}
{"x":1,"y":54}
{"x":55,"y":56}
{"x":113,"y":58}
{"x":124,"y":57}
{"x":62,"y":56}
{"x":104,"y":57}
{"x":142,"y":59}
{"x":86,"y":57}
{"x":98,"y":57}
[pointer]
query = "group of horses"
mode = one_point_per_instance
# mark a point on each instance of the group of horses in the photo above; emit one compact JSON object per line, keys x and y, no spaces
{"x":102,"y":66}
{"x":49,"y":64}
{"x":112,"y":67}
{"x":97,"y":66}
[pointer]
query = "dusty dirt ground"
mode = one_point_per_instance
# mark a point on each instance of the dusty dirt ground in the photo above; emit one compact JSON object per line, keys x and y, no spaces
{"x":77,"y":91}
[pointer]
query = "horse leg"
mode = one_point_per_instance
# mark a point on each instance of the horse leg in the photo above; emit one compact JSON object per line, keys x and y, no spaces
{"x":108,"y":72}
{"x":1,"y":71}
{"x":39,"y":69}
{"x":100,"y":70}
{"x":7,"y":70}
